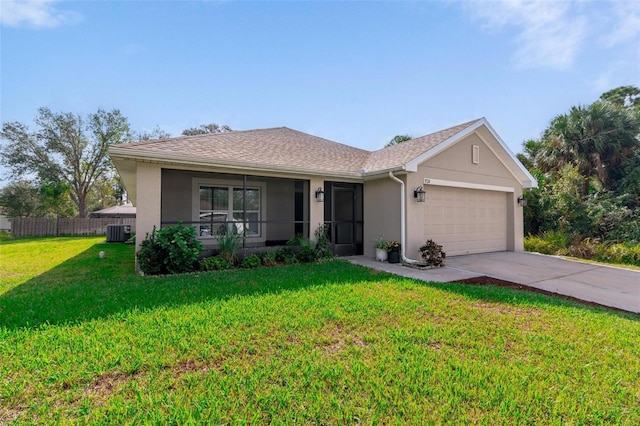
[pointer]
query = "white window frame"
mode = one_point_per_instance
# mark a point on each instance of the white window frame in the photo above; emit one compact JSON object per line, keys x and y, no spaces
{"x":231,"y":184}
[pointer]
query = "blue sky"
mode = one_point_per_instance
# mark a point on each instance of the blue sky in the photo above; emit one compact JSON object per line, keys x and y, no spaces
{"x":354,"y":72}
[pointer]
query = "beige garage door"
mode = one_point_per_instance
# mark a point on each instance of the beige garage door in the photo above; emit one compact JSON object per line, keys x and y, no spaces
{"x":466,"y":221}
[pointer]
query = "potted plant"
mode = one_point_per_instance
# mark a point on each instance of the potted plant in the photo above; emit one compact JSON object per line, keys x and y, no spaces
{"x":433,"y":254}
{"x":393,"y":252}
{"x":381,"y":249}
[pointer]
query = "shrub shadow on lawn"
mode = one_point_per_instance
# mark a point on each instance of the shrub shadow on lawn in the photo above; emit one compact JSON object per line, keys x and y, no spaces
{"x":86,"y":287}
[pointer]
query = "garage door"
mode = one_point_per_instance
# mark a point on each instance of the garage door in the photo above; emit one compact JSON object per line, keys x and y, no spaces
{"x":466,"y":221}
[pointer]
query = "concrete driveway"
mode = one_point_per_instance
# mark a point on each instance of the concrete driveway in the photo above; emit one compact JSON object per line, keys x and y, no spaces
{"x":605,"y":285}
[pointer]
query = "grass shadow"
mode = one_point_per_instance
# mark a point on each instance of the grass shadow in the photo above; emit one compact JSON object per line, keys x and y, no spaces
{"x":85,"y":288}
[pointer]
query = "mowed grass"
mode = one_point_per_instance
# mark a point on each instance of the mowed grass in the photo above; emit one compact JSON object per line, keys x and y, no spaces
{"x":85,"y":340}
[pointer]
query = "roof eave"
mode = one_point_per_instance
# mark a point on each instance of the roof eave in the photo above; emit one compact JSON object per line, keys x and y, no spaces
{"x":382,"y":173}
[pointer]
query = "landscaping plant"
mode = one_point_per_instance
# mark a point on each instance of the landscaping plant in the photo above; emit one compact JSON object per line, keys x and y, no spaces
{"x":323,"y":251}
{"x":215,"y":263}
{"x":173,"y":249}
{"x":381,"y":243}
{"x":268,"y":258}
{"x":393,"y":246}
{"x":432,"y":253}
{"x":251,"y":261}
{"x":228,"y":241}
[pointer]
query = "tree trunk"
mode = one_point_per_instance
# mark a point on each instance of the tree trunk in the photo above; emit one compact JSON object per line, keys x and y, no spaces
{"x":82,"y":206}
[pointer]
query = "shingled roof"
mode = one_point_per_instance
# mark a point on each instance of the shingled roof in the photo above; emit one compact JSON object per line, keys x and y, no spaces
{"x":402,"y":153}
{"x":285,"y":148}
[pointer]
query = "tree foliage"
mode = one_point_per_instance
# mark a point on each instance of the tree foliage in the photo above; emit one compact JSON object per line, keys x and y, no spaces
{"x":598,"y":139}
{"x":398,"y":139}
{"x":20,"y":199}
{"x":155,"y":133}
{"x":627,"y":97}
{"x":587,"y":163}
{"x":66,"y":148}
{"x":23,"y":198}
{"x":206,"y":128}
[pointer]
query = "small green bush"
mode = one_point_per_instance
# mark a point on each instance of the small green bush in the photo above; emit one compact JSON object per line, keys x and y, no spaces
{"x":626,"y":253}
{"x":585,"y":249}
{"x":286,"y":255}
{"x":151,"y":256}
{"x":322,"y":243}
{"x":268,"y":258}
{"x":550,"y":242}
{"x":173,"y":249}
{"x":215,"y":263}
{"x":251,"y":261}
{"x":307,"y":251}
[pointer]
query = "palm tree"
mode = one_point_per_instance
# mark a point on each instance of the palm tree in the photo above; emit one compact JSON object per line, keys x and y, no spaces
{"x":597,"y":139}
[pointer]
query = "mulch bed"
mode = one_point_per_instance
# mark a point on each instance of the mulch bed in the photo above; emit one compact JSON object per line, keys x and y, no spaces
{"x":485,"y":280}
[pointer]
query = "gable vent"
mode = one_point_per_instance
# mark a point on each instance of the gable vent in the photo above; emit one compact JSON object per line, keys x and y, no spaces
{"x":475,"y":154}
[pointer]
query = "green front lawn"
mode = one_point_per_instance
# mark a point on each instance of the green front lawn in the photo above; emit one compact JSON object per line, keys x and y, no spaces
{"x":85,"y":340}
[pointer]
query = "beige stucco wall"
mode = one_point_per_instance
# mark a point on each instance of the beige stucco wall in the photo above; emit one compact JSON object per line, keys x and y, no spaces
{"x":316,"y":209}
{"x":381,"y":212}
{"x":455,"y":164}
{"x":148,"y":205}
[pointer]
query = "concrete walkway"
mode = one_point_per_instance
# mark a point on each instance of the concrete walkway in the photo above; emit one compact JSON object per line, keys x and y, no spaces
{"x":605,"y":285}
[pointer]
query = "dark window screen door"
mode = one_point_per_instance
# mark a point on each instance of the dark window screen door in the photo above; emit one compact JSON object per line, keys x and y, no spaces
{"x":344,"y":219}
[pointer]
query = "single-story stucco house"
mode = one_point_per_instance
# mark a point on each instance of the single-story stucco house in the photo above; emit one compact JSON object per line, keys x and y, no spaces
{"x":459,"y":186}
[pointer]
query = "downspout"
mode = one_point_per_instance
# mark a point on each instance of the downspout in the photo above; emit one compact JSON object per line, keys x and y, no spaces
{"x":403,"y":225}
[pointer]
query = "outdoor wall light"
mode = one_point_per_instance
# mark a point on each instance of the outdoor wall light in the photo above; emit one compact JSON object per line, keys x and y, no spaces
{"x":522,"y":202}
{"x":319,"y":195}
{"x":418,"y":194}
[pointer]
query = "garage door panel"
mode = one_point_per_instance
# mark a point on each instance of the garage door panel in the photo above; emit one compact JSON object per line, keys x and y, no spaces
{"x":466,"y":221}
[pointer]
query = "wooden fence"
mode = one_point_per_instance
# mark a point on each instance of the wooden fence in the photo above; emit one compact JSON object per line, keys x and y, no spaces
{"x":43,"y":227}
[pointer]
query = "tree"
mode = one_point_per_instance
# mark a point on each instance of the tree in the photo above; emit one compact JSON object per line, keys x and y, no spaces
{"x":530,"y":156}
{"x":624,"y":96}
{"x":587,"y":164}
{"x":20,"y":199}
{"x":206,"y":128}
{"x":66,"y":148}
{"x":398,"y":139}
{"x":597,"y":139}
{"x":156,"y":133}
{"x":55,"y":200}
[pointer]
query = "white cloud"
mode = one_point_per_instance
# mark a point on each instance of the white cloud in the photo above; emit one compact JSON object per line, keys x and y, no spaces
{"x":35,"y":14}
{"x":549,"y":34}
{"x":627,"y":23}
